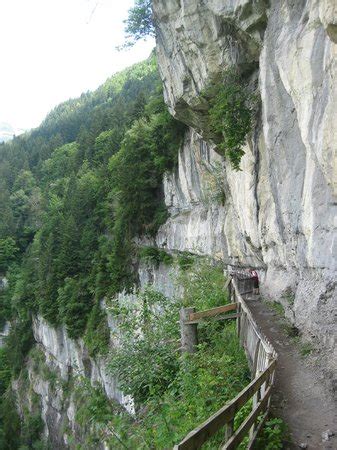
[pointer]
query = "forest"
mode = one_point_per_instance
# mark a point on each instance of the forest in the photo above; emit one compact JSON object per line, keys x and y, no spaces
{"x":74,"y":193}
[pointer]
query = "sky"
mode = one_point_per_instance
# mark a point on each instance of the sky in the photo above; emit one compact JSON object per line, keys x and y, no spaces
{"x":52,"y":50}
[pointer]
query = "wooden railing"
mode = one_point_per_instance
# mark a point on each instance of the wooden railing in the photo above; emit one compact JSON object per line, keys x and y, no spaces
{"x":262,"y":361}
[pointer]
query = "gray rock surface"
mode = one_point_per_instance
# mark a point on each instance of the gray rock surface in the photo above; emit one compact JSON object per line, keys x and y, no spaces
{"x":67,"y":357}
{"x":280,"y":211}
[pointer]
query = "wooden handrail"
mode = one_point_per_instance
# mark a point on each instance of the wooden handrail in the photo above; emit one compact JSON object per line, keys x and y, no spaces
{"x":224,"y":417}
{"x":244,"y":308}
{"x":196,"y":438}
{"x":213,"y":311}
{"x":243,"y":429}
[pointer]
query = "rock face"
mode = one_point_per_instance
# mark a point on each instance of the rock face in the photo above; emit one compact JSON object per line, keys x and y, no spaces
{"x":196,"y":40}
{"x":67,"y":361}
{"x":67,"y":356}
{"x":280,"y":212}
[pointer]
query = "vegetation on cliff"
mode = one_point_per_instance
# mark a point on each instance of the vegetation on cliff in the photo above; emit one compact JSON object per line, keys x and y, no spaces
{"x":231,"y":116}
{"x":77,"y":190}
{"x":173,"y":392}
{"x":74,"y":193}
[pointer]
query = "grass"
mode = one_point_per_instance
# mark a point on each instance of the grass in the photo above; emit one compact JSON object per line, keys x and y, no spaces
{"x":305,"y":347}
{"x":277,"y":308}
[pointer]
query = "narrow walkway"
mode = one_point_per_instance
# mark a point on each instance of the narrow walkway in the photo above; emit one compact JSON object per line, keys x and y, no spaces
{"x":300,"y":397}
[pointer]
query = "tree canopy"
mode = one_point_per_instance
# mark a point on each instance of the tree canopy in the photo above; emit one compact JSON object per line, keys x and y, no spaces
{"x":139,"y":23}
{"x":77,"y":190}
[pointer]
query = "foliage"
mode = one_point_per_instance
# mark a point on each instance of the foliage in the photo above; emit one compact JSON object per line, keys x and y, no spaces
{"x":155,"y":255}
{"x":31,"y":431}
{"x":74,"y":302}
{"x":139,"y":23}
{"x":167,"y":407}
{"x":5,"y":371}
{"x":97,"y":334}
{"x":8,"y":251}
{"x":230,"y":117}
{"x":10,"y":426}
{"x":145,"y":361}
{"x":149,"y":149}
{"x":164,"y":384}
{"x":12,"y":433}
{"x":216,"y":376}
{"x":203,"y":283}
{"x":77,"y":190}
{"x":18,"y":343}
{"x":99,"y":417}
{"x":185,"y":260}
{"x":272,"y":435}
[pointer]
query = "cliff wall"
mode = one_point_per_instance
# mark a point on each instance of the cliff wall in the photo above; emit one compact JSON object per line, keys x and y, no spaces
{"x":279,"y":213}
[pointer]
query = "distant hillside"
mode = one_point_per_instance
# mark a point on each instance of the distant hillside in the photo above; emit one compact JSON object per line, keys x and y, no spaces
{"x":7,"y":131}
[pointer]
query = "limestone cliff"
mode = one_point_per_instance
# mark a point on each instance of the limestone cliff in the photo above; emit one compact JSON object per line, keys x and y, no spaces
{"x":279,"y":213}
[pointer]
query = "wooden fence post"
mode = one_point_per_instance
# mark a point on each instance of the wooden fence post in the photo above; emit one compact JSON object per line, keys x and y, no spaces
{"x":230,"y":290}
{"x":229,"y":430}
{"x":238,"y":319}
{"x":188,"y":331}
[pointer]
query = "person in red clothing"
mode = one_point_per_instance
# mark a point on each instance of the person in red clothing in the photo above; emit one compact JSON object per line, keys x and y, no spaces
{"x":255,"y":277}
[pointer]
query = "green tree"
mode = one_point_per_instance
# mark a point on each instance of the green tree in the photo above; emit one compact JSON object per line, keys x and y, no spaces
{"x":8,"y":252}
{"x":139,"y":23}
{"x":10,"y":421}
{"x":75,"y":303}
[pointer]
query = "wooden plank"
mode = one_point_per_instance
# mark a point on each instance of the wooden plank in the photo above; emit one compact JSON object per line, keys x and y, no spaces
{"x":224,"y":317}
{"x":243,"y":429}
{"x":206,"y":430}
{"x":251,"y":443}
{"x":213,"y":312}
{"x":238,"y":322}
{"x":256,"y":356}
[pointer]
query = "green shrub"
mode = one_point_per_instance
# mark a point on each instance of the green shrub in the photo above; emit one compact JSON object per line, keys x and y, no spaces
{"x":203,"y":383}
{"x":272,"y":436}
{"x":185,"y":260}
{"x":5,"y":371}
{"x":164,"y":383}
{"x":155,"y":255}
{"x":10,"y":424}
{"x":31,"y":431}
{"x":230,"y":116}
{"x":8,"y":251}
{"x":203,"y":283}
{"x":145,"y":361}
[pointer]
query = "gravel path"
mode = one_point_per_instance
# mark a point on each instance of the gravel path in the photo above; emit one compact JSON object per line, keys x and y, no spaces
{"x":301,"y":397}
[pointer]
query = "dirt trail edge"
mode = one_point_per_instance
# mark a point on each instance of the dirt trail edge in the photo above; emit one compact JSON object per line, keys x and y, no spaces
{"x":301,"y":397}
